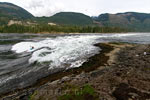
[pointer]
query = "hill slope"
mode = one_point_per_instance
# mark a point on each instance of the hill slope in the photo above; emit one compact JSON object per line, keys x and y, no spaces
{"x":132,"y":20}
{"x":13,"y":11}
{"x":68,"y":18}
{"x":9,"y":11}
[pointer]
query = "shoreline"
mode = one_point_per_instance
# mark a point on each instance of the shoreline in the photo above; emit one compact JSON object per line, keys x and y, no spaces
{"x":106,"y":48}
{"x":61,"y":33}
{"x":126,"y":77}
{"x":123,"y":74}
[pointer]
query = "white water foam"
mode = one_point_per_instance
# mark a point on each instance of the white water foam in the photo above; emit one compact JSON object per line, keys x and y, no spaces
{"x":66,"y":51}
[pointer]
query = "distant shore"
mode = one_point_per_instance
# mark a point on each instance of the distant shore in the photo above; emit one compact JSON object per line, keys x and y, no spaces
{"x":16,"y":28}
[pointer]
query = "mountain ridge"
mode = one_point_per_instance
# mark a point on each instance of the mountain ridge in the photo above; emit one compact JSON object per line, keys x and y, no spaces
{"x":135,"y":21}
{"x":132,"y":20}
{"x":13,"y":11}
{"x":68,"y":18}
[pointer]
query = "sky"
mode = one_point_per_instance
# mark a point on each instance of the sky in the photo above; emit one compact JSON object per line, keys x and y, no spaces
{"x":88,"y":7}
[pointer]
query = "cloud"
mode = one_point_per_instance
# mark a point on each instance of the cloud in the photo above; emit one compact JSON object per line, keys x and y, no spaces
{"x":89,"y":7}
{"x":43,"y":7}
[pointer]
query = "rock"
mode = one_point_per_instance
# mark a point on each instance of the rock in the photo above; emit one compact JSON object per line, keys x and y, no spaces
{"x":137,"y":55}
{"x":54,"y":82}
{"x":66,"y":78}
{"x":145,"y":53}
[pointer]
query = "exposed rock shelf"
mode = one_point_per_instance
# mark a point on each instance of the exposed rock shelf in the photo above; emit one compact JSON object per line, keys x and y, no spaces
{"x":122,"y":74}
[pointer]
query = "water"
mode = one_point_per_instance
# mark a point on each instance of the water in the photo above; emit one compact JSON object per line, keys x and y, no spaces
{"x":25,"y":58}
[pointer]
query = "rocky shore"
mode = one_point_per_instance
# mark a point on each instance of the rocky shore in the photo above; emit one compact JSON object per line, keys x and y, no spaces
{"x":120,"y":72}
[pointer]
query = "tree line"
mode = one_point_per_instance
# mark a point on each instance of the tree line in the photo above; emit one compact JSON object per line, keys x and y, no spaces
{"x":15,"y":28}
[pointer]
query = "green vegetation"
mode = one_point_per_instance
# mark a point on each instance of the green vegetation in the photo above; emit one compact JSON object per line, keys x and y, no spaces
{"x":15,"y":28}
{"x":137,"y":22}
{"x":31,"y":97}
{"x":11,"y":11}
{"x":77,"y":93}
{"x":67,"y":18}
{"x":71,"y":18}
{"x":70,"y":22}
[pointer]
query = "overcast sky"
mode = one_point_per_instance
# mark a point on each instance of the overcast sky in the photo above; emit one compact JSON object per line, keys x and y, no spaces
{"x":88,"y":7}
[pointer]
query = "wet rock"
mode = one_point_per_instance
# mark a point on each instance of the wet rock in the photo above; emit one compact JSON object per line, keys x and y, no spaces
{"x":124,"y":92}
{"x":126,"y":79}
